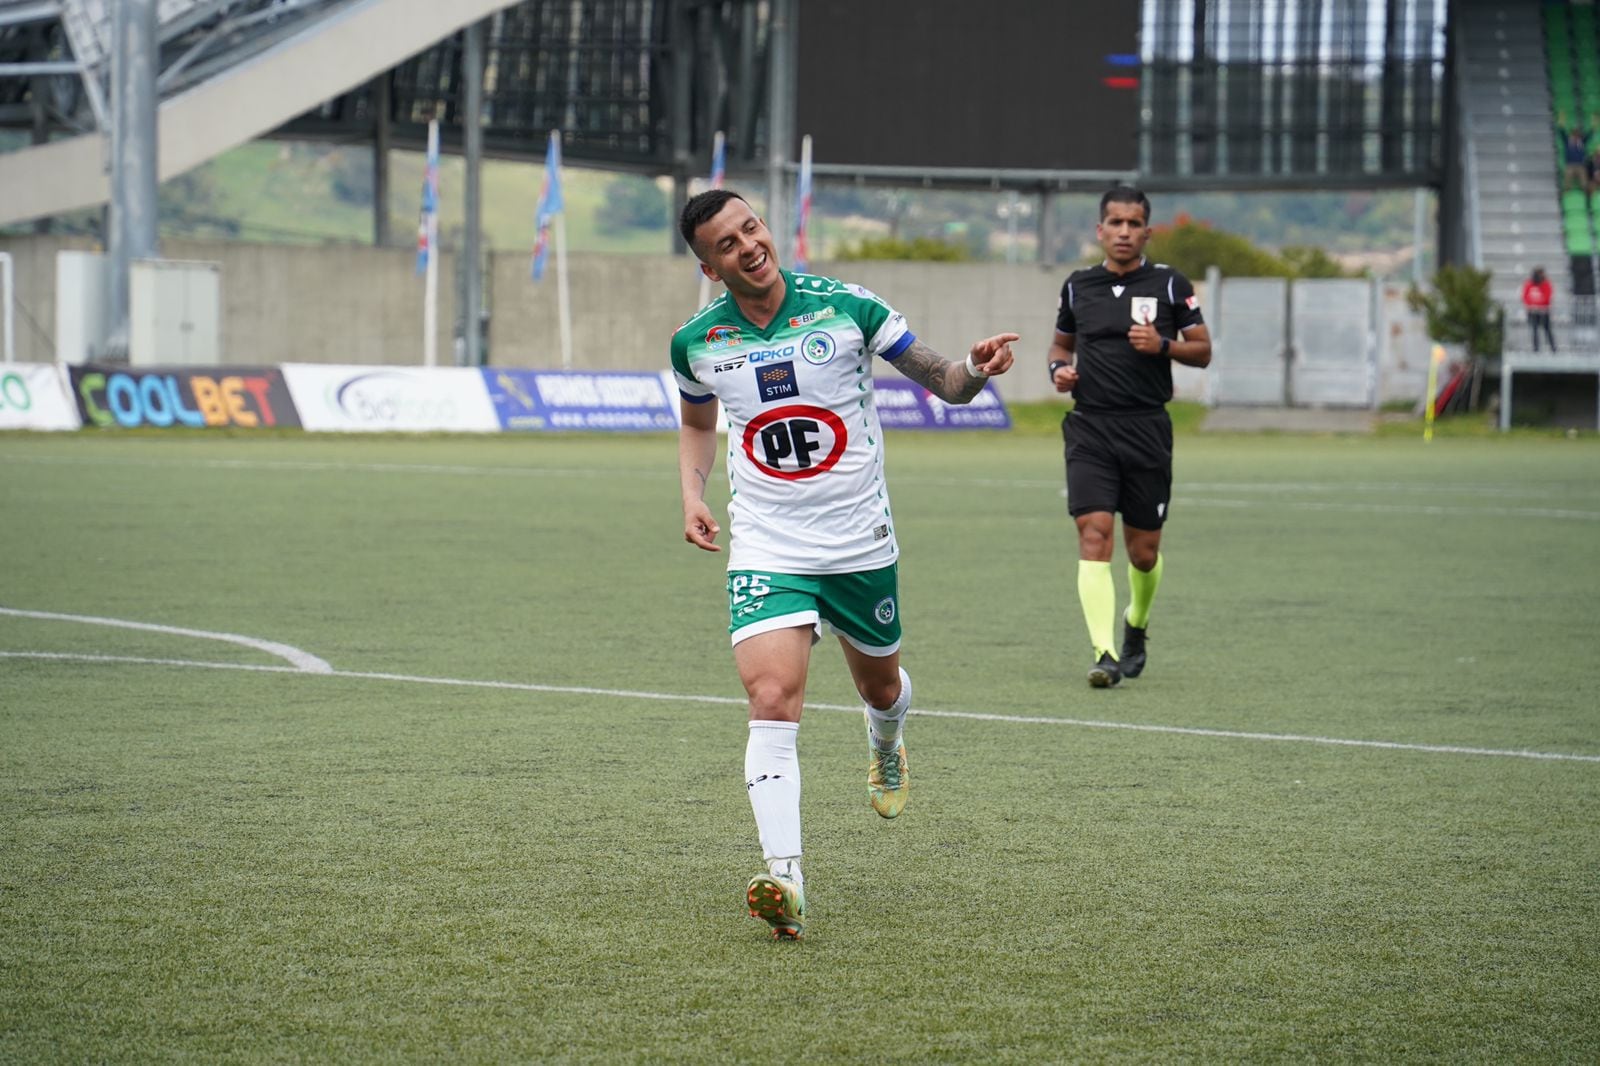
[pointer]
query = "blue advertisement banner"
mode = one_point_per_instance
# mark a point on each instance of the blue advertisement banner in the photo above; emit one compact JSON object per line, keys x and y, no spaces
{"x":610,"y":400}
{"x":903,"y":404}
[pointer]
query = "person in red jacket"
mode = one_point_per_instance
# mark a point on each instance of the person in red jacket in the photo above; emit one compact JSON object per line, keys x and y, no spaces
{"x":1536,"y":301}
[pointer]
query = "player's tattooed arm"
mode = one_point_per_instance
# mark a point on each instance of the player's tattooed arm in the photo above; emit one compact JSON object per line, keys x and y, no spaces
{"x":953,"y":382}
{"x":946,"y":380}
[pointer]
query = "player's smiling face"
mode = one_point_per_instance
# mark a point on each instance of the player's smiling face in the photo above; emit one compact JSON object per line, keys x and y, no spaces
{"x":1123,"y":233}
{"x":735,"y":248}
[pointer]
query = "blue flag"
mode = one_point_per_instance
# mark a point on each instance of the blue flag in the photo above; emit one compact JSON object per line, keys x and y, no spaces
{"x":550,"y":204}
{"x":719,"y":160}
{"x":429,"y":223}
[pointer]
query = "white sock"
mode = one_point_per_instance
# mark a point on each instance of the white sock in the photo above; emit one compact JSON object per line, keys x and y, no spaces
{"x":789,"y":869}
{"x":887,"y":725}
{"x":772,"y":777}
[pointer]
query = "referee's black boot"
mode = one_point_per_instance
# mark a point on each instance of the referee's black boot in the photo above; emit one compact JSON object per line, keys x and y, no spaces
{"x":1132,"y":662}
{"x":1105,"y":673}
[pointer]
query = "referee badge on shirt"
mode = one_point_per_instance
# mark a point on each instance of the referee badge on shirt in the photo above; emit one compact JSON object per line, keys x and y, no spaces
{"x":776,"y":381}
{"x":1144,"y":310}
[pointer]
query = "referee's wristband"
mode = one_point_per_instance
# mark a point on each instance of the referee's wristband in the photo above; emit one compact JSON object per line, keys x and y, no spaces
{"x":972,"y":368}
{"x":1057,"y":364}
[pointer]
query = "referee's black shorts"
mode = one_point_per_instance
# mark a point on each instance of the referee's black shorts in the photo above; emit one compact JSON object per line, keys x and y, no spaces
{"x":1120,"y":463}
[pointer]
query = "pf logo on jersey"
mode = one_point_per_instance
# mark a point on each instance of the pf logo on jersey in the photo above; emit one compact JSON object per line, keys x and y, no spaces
{"x":795,"y":442}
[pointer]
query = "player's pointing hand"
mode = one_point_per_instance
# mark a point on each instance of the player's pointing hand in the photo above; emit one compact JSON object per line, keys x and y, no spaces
{"x":699,"y":527}
{"x":992,"y":355}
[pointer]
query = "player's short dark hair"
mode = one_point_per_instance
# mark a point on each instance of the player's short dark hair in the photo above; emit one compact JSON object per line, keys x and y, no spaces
{"x":1125,"y":194}
{"x":702,"y":209}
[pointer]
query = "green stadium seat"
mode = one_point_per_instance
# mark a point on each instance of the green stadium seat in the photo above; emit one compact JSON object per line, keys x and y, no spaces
{"x":1573,"y":202}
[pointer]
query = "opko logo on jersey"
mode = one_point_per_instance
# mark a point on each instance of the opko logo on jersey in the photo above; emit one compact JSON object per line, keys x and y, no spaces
{"x":722,"y":336}
{"x":795,"y":442}
{"x":768,"y":355}
{"x":818,"y":348}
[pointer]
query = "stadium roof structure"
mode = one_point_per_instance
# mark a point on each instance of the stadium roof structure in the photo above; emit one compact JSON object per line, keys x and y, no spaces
{"x":1218,"y":93}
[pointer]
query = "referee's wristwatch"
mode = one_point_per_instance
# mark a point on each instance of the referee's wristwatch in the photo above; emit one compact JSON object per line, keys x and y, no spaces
{"x":1057,"y":364}
{"x":1166,"y":346}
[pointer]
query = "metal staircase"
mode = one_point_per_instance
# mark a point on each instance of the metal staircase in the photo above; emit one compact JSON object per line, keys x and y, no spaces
{"x":1508,"y":130}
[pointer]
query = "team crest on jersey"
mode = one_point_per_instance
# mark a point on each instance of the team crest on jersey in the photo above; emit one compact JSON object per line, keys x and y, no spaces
{"x":776,"y":381}
{"x":722,"y":336}
{"x":795,"y":442}
{"x":884,"y":612}
{"x":818,"y":348}
{"x":810,"y":317}
{"x":1144,"y":310}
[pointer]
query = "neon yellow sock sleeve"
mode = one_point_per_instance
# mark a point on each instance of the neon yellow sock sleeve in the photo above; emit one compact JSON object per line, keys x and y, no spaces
{"x":1143,"y":583}
{"x":1097,"y":594}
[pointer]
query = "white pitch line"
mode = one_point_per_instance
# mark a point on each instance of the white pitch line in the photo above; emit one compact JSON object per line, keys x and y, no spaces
{"x":302,"y":660}
{"x":671,"y":697}
{"x":1193,"y":494}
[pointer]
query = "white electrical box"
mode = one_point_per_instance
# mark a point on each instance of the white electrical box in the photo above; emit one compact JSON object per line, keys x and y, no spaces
{"x":174,"y":313}
{"x":82,"y":306}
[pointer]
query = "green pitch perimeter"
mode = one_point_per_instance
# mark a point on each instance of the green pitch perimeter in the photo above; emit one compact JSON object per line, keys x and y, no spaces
{"x":383,"y":863}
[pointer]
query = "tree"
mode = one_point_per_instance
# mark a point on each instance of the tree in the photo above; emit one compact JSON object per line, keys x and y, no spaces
{"x":1194,"y":247}
{"x":631,"y":203}
{"x":1312,"y":263}
{"x":1460,"y":310}
{"x":923,"y":248}
{"x":353,"y":179}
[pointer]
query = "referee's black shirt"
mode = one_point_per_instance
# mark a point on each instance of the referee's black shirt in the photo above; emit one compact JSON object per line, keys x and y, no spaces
{"x":1097,"y":307}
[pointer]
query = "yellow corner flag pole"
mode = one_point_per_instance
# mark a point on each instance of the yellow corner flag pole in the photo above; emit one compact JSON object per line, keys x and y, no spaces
{"x":1433,"y":390}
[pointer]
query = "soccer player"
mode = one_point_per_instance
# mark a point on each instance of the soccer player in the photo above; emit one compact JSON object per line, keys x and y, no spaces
{"x":1119,"y":328}
{"x":789,"y":356}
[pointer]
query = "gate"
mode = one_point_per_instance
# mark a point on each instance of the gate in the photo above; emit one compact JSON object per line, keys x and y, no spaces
{"x":1249,"y":359}
{"x":1333,"y":341}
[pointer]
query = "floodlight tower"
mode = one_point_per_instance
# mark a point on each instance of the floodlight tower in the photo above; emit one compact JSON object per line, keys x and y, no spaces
{"x":135,"y":212}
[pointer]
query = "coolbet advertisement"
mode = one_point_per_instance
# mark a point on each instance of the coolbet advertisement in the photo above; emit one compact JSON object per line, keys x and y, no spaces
{"x":248,"y":397}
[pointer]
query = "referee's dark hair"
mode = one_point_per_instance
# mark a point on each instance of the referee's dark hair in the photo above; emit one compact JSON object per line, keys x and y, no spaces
{"x":1123,"y":194}
{"x":702,"y":209}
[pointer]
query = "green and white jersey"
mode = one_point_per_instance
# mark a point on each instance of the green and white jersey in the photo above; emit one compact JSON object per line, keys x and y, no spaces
{"x":805,"y":450}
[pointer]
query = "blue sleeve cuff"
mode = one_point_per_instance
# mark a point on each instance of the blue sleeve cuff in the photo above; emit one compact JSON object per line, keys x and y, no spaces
{"x":907,"y":339}
{"x":697,"y":399}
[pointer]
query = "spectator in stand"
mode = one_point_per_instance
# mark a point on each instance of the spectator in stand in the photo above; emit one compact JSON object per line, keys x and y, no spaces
{"x":1575,"y":149}
{"x":1536,"y":301}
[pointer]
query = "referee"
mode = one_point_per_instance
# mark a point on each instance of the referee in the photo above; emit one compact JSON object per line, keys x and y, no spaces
{"x":1119,"y":327}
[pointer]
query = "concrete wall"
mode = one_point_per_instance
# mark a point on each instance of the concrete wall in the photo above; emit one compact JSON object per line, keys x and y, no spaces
{"x":357,"y":304}
{"x":624,"y":309}
{"x":280,"y":303}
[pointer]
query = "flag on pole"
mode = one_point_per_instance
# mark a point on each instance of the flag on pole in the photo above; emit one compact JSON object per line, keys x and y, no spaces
{"x":428,"y":225}
{"x":719,"y":159}
{"x":550,"y":204}
{"x":802,"y":215}
{"x":719,"y":170}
